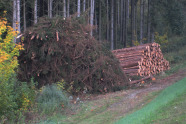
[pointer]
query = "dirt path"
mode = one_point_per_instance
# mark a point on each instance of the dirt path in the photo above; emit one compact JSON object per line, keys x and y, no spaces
{"x":124,"y":102}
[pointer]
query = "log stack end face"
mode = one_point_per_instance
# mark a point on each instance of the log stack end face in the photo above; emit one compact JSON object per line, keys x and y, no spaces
{"x":142,"y":60}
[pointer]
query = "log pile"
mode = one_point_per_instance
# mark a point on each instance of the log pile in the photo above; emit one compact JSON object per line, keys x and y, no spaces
{"x":142,"y":60}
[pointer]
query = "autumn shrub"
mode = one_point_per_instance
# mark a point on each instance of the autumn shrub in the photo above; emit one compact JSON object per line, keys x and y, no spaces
{"x":8,"y":64}
{"x":14,"y":95}
{"x":51,"y":99}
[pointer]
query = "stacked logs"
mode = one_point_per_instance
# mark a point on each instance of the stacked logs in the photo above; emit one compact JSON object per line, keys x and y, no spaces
{"x":142,"y":60}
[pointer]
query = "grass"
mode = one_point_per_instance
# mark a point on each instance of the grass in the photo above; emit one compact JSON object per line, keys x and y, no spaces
{"x":149,"y":112}
{"x":174,"y":112}
{"x":90,"y":112}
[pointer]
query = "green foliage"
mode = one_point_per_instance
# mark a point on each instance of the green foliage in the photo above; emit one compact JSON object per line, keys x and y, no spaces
{"x":167,"y":17}
{"x":8,"y":65}
{"x":8,"y":104}
{"x":51,"y":99}
{"x":174,"y":44}
{"x":162,"y":40}
{"x":25,"y":94}
{"x":16,"y":97}
{"x":61,"y":84}
{"x":176,"y":56}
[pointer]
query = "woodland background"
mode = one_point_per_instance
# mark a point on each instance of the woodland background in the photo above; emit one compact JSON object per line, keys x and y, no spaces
{"x":121,"y":22}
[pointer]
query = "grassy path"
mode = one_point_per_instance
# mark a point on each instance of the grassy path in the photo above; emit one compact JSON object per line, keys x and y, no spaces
{"x":149,"y":113}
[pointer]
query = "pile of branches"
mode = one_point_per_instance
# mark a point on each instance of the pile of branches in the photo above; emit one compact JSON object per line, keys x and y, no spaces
{"x":58,"y":48}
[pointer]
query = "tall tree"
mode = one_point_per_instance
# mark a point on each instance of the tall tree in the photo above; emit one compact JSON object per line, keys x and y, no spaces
{"x":64,"y":8}
{"x":78,"y":8}
{"x":68,"y":8}
{"x":112,"y":25}
{"x":125,"y":23}
{"x":24,"y":15}
{"x":108,"y":21}
{"x":50,"y":2}
{"x":91,"y":16}
{"x":132,"y":21}
{"x":148,"y":22}
{"x":100,"y":14}
{"x":14,"y":15}
{"x":18,"y":16}
{"x":84,"y":5}
{"x":35,"y":11}
{"x":141,"y":20}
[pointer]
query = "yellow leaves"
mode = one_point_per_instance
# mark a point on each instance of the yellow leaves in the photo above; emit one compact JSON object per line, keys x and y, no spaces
{"x":8,"y":50}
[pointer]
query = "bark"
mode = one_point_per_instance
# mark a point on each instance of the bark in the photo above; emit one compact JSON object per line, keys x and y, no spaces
{"x":96,"y":22}
{"x":14,"y":16}
{"x":127,"y":11}
{"x":135,"y":21}
{"x":18,"y":16}
{"x":35,"y":11}
{"x":50,"y":8}
{"x":68,"y":8}
{"x":112,"y":25}
{"x":125,"y":23}
{"x":149,"y":22}
{"x":78,"y":8}
{"x":121,"y":22}
{"x":141,"y":20}
{"x":84,"y":5}
{"x":64,"y":9}
{"x":108,"y":21}
{"x":24,"y":15}
{"x":115,"y":23}
{"x":100,"y":21}
{"x":91,"y":16}
{"x":132,"y":22}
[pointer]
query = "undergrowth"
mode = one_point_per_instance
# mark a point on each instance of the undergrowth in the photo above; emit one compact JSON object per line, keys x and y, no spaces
{"x":51,"y":99}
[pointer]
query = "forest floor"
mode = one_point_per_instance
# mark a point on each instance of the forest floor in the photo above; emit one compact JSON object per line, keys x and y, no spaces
{"x":110,"y":107}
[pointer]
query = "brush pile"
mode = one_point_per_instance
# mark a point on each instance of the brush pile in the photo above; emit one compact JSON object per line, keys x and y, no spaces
{"x":142,"y":60}
{"x":57,"y":49}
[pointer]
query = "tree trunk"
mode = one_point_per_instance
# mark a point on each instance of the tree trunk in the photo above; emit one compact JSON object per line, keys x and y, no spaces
{"x":132,"y":21}
{"x":141,"y":20}
{"x":121,"y":22}
{"x":68,"y":8}
{"x":112,"y":25}
{"x":115,"y":23}
{"x":149,"y":22}
{"x":125,"y":23}
{"x":135,"y":21}
{"x":18,"y":16}
{"x":84,"y":5}
{"x":78,"y":8}
{"x":91,"y":16}
{"x":14,"y":16}
{"x":24,"y":15}
{"x":64,"y":9}
{"x":50,"y":8}
{"x":100,"y":21}
{"x":107,"y":20}
{"x":35,"y":11}
{"x":127,"y":11}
